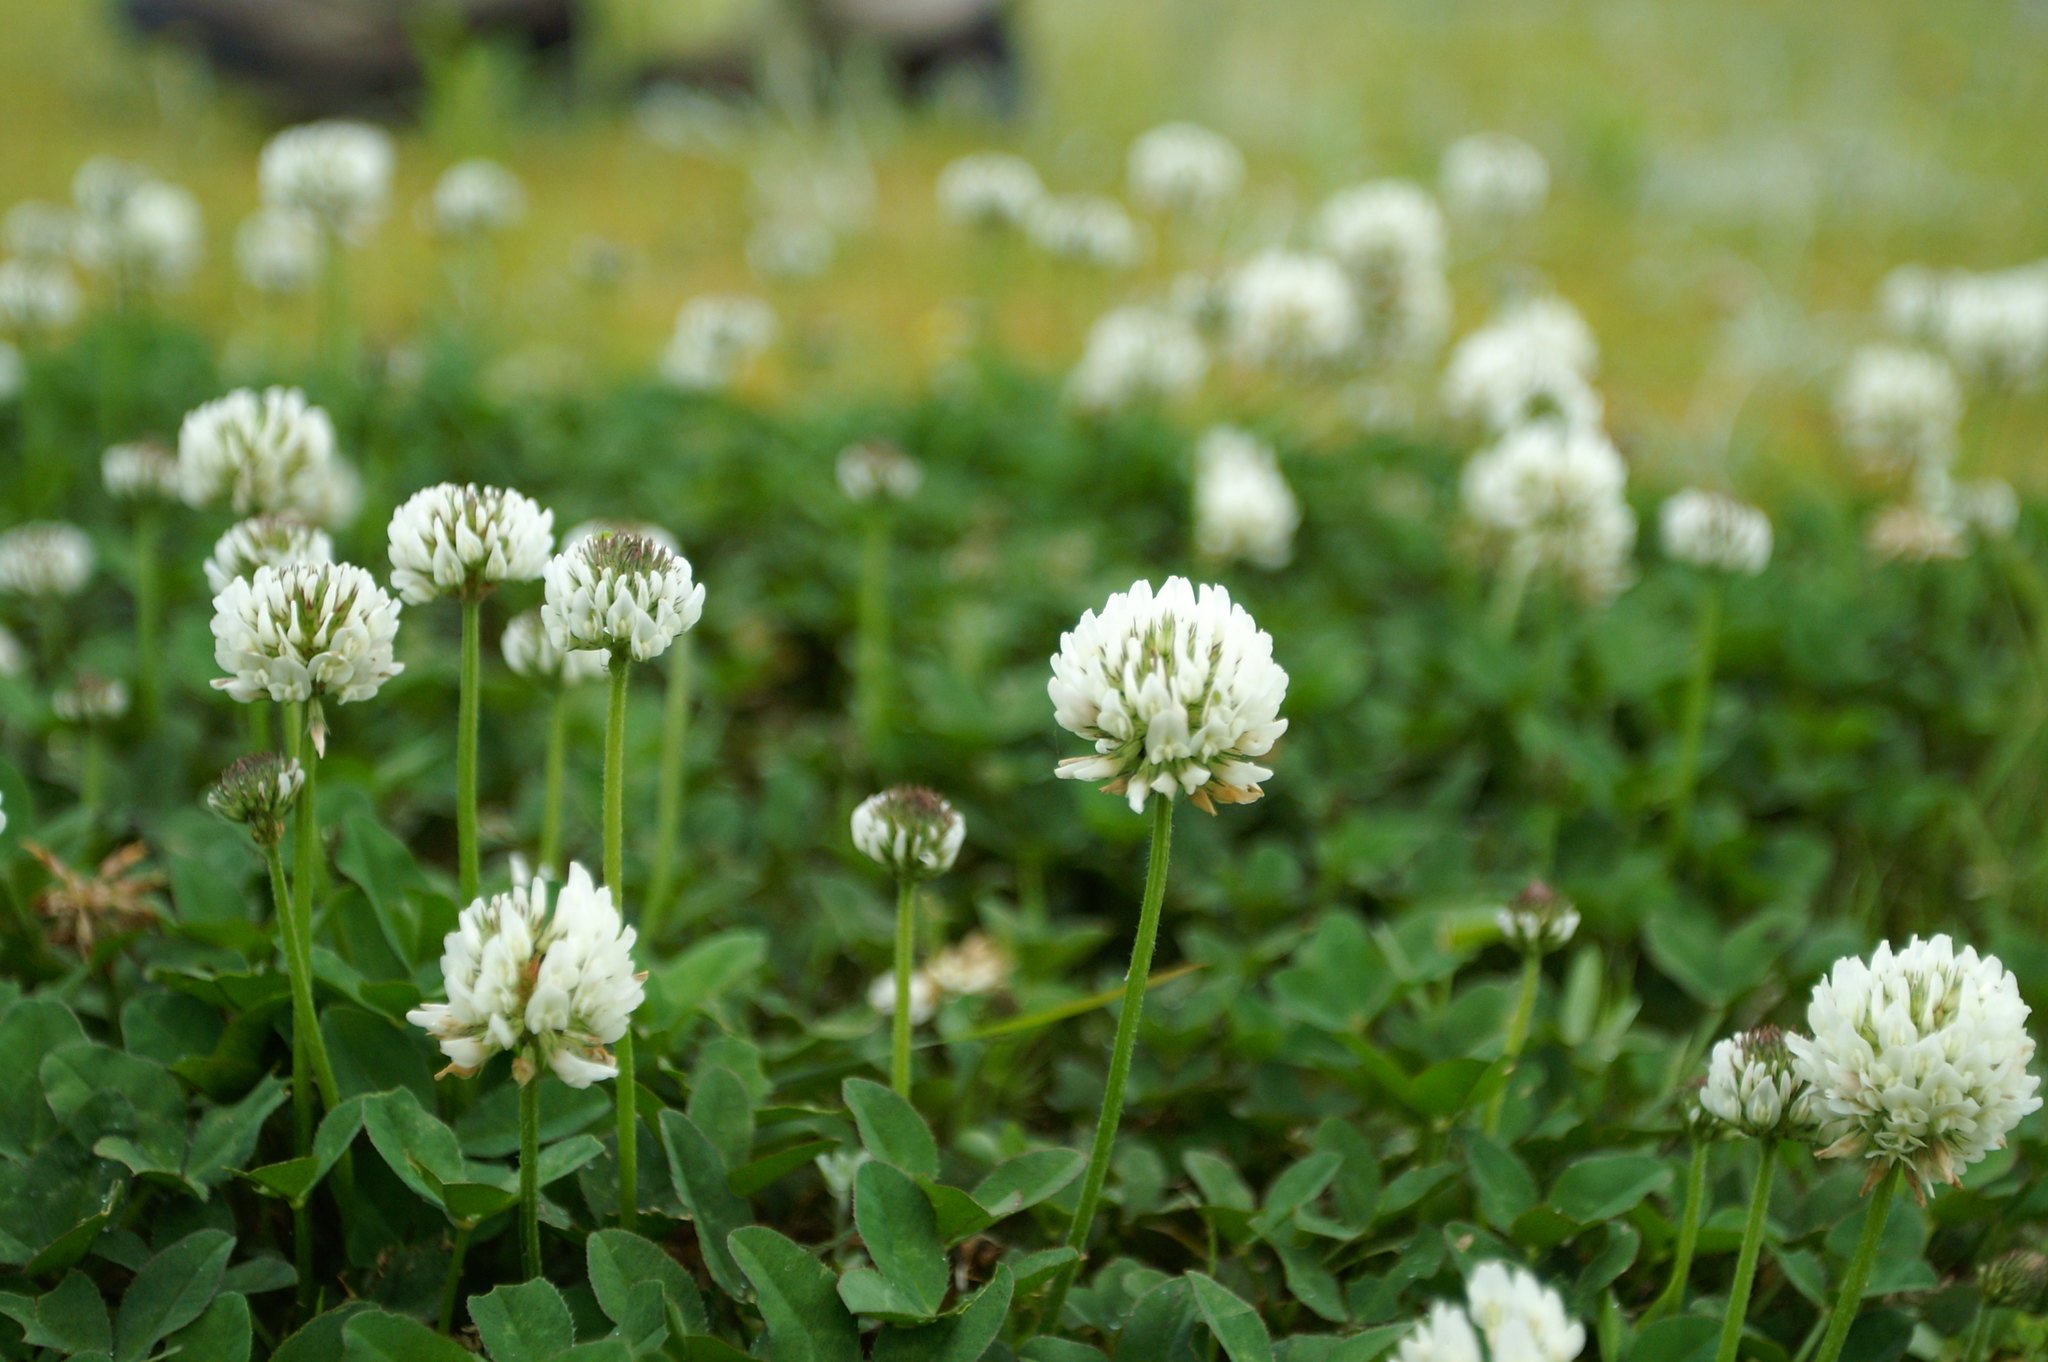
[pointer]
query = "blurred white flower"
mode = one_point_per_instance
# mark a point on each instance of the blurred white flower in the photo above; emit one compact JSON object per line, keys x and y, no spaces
{"x":264,"y":541}
{"x":924,"y":997}
{"x":1443,"y":1335}
{"x":877,"y":470}
{"x":90,"y":699}
{"x":1389,"y":236}
{"x":1087,"y":229}
{"x":1754,"y":1087}
{"x":278,"y":251}
{"x":1909,"y":299}
{"x":36,"y":296}
{"x":335,"y":170}
{"x":1987,"y":505}
{"x":715,"y":339}
{"x":1291,"y":311}
{"x":1183,"y":168}
{"x":1551,"y":498}
{"x":477,"y":197}
{"x":1540,"y":921}
{"x":268,"y":451}
{"x":1918,"y":1059}
{"x":1995,"y":326}
{"x":1914,"y":532}
{"x":463,"y":541}
{"x":619,"y":593}
{"x":148,"y":237}
{"x":103,"y":183}
{"x":529,"y":652}
{"x":258,"y":792}
{"x":989,"y":189}
{"x":1529,"y":365}
{"x":1519,"y":1319}
{"x":909,"y":830}
{"x":304,"y":631}
{"x":973,"y":966}
{"x":143,"y":471}
{"x":1138,"y":354}
{"x":791,"y":248}
{"x":548,"y":985}
{"x":1493,"y":177}
{"x":39,"y":232}
{"x":1710,"y":530}
{"x":1178,"y":691}
{"x":1899,"y":409}
{"x":1243,"y":506}
{"x":45,"y":558}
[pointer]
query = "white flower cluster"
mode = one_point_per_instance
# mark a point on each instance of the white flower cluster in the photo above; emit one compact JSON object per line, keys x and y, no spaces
{"x":1288,"y":310}
{"x":1754,"y":1087}
{"x":477,"y":198}
{"x":264,"y":541}
{"x":973,"y":966}
{"x":1518,"y":1318}
{"x":529,"y":652}
{"x":90,"y":699}
{"x":134,"y":228}
{"x":1087,"y":229}
{"x":457,"y":540}
{"x":143,"y":471}
{"x":1715,"y":531}
{"x":304,"y":631}
{"x":1918,"y":1059}
{"x":910,"y":830}
{"x":336,"y":171}
{"x":552,"y":984}
{"x":36,"y":295}
{"x":924,"y":997}
{"x":45,"y":558}
{"x":1899,"y":409}
{"x":1389,"y":236}
{"x":1540,"y":921}
{"x":715,"y":339}
{"x":1993,"y":325}
{"x":878,"y":470}
{"x":1138,"y":354}
{"x":1177,"y":689}
{"x":261,"y":452}
{"x":278,"y":251}
{"x":990,"y":189}
{"x":619,"y":593}
{"x":1551,"y":499}
{"x":1493,"y":178}
{"x":1243,"y":505}
{"x":1533,"y":363}
{"x":1183,"y":168}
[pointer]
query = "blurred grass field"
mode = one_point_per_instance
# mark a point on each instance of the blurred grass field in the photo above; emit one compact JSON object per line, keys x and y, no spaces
{"x":1732,"y":177}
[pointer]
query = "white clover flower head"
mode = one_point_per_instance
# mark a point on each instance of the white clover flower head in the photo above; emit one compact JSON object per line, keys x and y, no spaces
{"x":1138,"y":354}
{"x":1714,"y":531}
{"x":1995,"y":326}
{"x":36,"y":295}
{"x":924,"y":997}
{"x":305,"y":631}
{"x":1754,"y":1087}
{"x":1383,"y":229}
{"x":1909,"y":300}
{"x":1184,"y":168}
{"x":1532,"y":363}
{"x":335,"y":170}
{"x":989,"y":190}
{"x":149,"y":237}
{"x":1177,"y":689}
{"x":1550,"y":498}
{"x":1988,"y":506}
{"x":909,"y":830}
{"x":477,"y":198}
{"x":878,"y":470}
{"x":13,"y":657}
{"x":1918,"y":1060}
{"x":278,"y":251}
{"x":529,"y":652}
{"x":1243,"y":505}
{"x":1540,"y":921}
{"x":972,"y":967}
{"x":329,"y":496}
{"x":1520,"y":1317}
{"x":264,"y":541}
{"x":1443,"y":1335}
{"x":549,"y":984}
{"x":619,"y":594}
{"x":1899,"y":409}
{"x":45,"y":558}
{"x":716,"y":337}
{"x":258,"y":792}
{"x":270,"y":451}
{"x":464,"y":541}
{"x":39,"y":231}
{"x":1085,"y":229}
{"x":1913,"y":532}
{"x":1493,"y":177}
{"x":1286,"y":310}
{"x":90,"y":699}
{"x":142,"y":471}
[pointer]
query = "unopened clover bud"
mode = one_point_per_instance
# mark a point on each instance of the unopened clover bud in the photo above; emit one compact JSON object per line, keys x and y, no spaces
{"x":911,"y":830}
{"x":2017,"y":1279}
{"x":1539,"y":921}
{"x":257,"y":792}
{"x":1754,"y":1088}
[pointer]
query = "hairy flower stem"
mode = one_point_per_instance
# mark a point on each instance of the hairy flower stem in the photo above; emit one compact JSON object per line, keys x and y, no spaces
{"x":451,"y":1281}
{"x":615,"y":880}
{"x":1673,"y":1295}
{"x":668,"y":799}
{"x":1692,"y":724}
{"x":304,"y":1020}
{"x":305,"y":872}
{"x":871,"y":656}
{"x":148,"y":610}
{"x":906,"y":947}
{"x":529,"y":1175}
{"x":557,"y":763}
{"x":1135,"y":982}
{"x":1752,"y":1249}
{"x":467,"y":724}
{"x":1517,"y":1037}
{"x":1851,"y":1298}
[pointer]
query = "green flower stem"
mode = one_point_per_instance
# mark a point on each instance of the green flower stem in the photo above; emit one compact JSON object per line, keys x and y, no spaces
{"x":1692,"y":724}
{"x":1517,"y":1037}
{"x":557,"y":761}
{"x":871,"y":656}
{"x":529,"y":1174}
{"x":93,"y":773}
{"x":1979,"y":1346}
{"x":451,"y":1283}
{"x":466,"y":745}
{"x":1510,"y":588}
{"x":615,"y":880}
{"x":1752,"y":1249}
{"x":906,"y":947}
{"x":148,"y":609}
{"x":1673,"y":1297}
{"x":1135,"y":982}
{"x":668,"y":799}
{"x":1851,"y":1298}
{"x":303,"y":1022}
{"x":305,"y":871}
